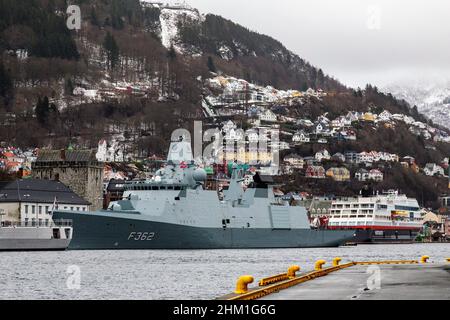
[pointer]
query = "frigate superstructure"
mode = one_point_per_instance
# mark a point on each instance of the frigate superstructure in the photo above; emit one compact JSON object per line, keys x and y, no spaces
{"x":173,"y":210}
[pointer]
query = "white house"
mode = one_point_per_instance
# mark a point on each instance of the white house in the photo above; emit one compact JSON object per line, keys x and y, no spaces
{"x":432,"y":169}
{"x":321,"y":128}
{"x":253,"y":136}
{"x":227,"y":126}
{"x":109,"y":152}
{"x":305,"y":123}
{"x":365,"y":157}
{"x":234,"y":135}
{"x":31,"y":201}
{"x":385,"y":116}
{"x":268,"y":116}
{"x":322,"y":155}
{"x":376,"y":175}
{"x":301,"y":137}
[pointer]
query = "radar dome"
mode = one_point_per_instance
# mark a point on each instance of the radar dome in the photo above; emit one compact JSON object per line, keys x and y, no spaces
{"x":199,"y":174}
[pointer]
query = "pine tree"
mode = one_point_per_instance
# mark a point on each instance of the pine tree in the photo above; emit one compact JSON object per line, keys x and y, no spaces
{"x":5,"y":81}
{"x":6,"y":85}
{"x":211,"y":65}
{"x":42,"y":110}
{"x":94,"y":18}
{"x":112,"y":50}
{"x":172,"y":54}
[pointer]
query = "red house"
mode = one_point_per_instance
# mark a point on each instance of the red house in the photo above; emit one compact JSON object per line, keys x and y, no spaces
{"x":315,"y":172}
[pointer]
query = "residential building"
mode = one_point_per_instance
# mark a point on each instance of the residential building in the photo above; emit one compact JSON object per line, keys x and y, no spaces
{"x":338,"y":157}
{"x":322,"y":155}
{"x":301,"y":137}
{"x":376,"y":175}
{"x":315,"y":172}
{"x":268,"y":116}
{"x":365,"y":157}
{"x":432,"y":169}
{"x":362,"y":175}
{"x":351,"y":157}
{"x":295,"y":160}
{"x":385,"y":116}
{"x":338,"y":174}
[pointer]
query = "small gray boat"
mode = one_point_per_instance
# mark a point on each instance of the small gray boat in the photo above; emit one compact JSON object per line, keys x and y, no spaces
{"x":53,"y":236}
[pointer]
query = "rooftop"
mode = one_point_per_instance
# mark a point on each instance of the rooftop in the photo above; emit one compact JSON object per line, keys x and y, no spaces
{"x":38,"y":191}
{"x":78,"y":156}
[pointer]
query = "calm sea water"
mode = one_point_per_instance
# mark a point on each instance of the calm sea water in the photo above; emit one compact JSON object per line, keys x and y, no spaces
{"x":202,"y":274}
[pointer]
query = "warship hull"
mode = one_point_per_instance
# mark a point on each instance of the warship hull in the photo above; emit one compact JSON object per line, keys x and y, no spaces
{"x":102,"y":232}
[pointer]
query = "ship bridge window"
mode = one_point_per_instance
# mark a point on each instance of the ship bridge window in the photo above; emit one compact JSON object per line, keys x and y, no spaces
{"x":155,"y":188}
{"x":169,"y":188}
{"x":177,"y":188}
{"x":162,"y":188}
{"x":382,"y":206}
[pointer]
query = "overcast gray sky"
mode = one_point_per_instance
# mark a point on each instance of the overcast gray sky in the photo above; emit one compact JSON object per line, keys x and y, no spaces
{"x":357,"y":41}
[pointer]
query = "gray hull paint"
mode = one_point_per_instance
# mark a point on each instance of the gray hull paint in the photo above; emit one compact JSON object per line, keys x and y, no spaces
{"x":93,"y":232}
{"x":34,"y":244}
{"x":31,"y":239}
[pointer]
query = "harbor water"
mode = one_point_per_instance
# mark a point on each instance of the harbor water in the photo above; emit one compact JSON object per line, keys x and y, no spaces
{"x":171,"y":274}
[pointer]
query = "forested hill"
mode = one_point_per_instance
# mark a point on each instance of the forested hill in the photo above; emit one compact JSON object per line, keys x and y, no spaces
{"x":167,"y":51}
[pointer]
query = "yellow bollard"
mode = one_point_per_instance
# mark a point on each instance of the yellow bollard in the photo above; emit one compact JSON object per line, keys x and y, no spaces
{"x":242,"y":284}
{"x":448,"y":259}
{"x":424,"y":259}
{"x":319,"y":264}
{"x":292,"y":270}
{"x":336,"y":261}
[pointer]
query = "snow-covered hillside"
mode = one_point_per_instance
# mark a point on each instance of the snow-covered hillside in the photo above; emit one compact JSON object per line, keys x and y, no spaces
{"x":432,"y":100}
{"x":173,"y":15}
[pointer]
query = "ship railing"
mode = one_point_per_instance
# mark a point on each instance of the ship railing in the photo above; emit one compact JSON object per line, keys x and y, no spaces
{"x":36,"y":224}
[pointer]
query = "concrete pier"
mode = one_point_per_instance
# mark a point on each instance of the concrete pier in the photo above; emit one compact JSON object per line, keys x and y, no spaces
{"x":409,"y":282}
{"x":364,"y":280}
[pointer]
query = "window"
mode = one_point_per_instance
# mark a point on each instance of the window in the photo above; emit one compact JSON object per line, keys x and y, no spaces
{"x":47,"y":209}
{"x":78,"y":208}
{"x":26,"y":209}
{"x":71,"y":208}
{"x":40,"y":209}
{"x":84,"y":209}
{"x":33,"y":209}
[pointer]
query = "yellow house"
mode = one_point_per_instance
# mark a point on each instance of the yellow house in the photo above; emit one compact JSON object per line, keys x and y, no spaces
{"x":249,"y":156}
{"x":338,"y":174}
{"x":369,"y":117}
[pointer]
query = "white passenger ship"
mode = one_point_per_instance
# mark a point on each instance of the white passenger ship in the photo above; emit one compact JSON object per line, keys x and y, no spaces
{"x":378,"y":219}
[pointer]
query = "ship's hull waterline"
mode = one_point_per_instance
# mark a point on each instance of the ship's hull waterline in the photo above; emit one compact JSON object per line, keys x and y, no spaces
{"x":99,"y":232}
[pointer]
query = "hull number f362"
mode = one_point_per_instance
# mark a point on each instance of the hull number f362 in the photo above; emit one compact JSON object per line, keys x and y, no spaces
{"x":141,"y":236}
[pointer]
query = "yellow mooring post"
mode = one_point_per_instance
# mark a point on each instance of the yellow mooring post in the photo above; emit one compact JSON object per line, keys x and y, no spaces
{"x":319,"y":264}
{"x":242,"y":284}
{"x":292,"y":270}
{"x":424,"y":259}
{"x":336,"y":261}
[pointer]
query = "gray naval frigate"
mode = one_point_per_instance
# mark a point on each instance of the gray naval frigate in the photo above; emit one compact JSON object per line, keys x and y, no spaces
{"x":173,"y":210}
